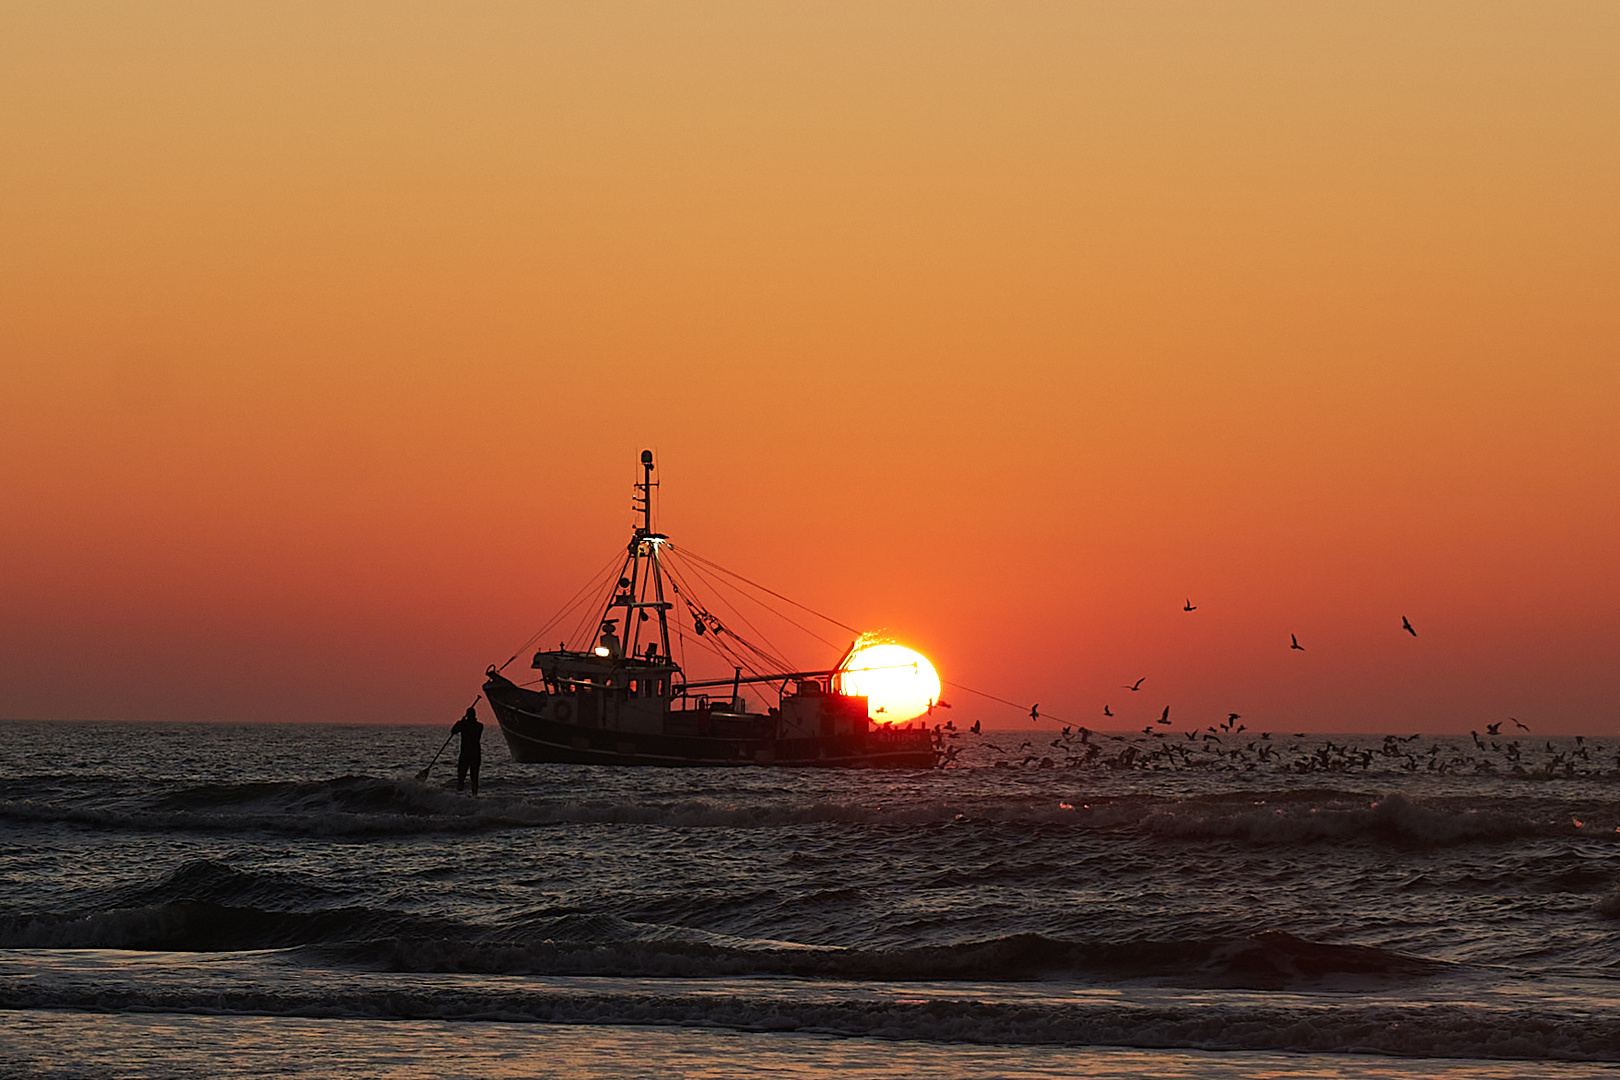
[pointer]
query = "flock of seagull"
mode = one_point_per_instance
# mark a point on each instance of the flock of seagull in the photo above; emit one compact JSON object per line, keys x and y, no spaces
{"x":1218,"y":747}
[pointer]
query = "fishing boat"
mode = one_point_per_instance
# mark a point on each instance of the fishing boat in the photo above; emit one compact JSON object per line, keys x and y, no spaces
{"x":620,"y":696}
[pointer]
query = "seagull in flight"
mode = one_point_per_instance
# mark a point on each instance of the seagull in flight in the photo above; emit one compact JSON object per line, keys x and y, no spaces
{"x":1518,"y":725}
{"x":1107,"y":711}
{"x":1035,"y":713}
{"x":1407,"y":626}
{"x":1189,"y":606}
{"x":1296,"y":644}
{"x":1137,"y":685}
{"x":1165,"y":719}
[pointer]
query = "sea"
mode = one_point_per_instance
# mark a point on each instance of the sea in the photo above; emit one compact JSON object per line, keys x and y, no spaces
{"x":217,"y":900}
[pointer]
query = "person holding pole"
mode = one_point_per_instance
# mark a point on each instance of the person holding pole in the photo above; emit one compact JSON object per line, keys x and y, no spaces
{"x":470,"y":730}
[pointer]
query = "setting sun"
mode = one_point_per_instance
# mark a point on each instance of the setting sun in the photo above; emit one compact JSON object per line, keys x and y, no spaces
{"x":899,"y":683}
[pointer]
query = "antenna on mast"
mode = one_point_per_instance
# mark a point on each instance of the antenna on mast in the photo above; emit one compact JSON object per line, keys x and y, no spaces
{"x":643,"y":500}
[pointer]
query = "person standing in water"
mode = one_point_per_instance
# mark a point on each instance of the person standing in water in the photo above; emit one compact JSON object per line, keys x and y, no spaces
{"x":471,"y":730}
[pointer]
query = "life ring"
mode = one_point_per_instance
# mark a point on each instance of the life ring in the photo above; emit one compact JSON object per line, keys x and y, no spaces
{"x":561,"y":710}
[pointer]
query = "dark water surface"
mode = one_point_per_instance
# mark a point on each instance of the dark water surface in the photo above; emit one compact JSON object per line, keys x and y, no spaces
{"x":1326,"y":897}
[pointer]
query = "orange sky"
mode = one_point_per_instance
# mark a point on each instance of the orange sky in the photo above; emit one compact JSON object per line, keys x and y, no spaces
{"x":329,"y":335}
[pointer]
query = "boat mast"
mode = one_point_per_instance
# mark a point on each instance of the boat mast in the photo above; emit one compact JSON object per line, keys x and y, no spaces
{"x":645,"y":544}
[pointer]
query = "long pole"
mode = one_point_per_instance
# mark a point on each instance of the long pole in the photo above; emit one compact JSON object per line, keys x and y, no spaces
{"x":423,"y":775}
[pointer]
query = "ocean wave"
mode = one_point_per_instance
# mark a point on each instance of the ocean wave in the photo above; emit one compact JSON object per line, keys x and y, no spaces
{"x":369,"y":806}
{"x":361,"y":807}
{"x":342,"y":806}
{"x":197,"y":926}
{"x":1271,"y":960}
{"x":1443,"y":1030}
{"x":210,"y":881}
{"x":206,"y":906}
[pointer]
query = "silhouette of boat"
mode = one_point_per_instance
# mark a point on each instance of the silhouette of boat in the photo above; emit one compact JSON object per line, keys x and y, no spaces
{"x":624,"y":700}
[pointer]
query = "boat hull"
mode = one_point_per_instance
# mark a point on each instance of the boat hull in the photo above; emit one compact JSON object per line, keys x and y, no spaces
{"x":534,"y":736}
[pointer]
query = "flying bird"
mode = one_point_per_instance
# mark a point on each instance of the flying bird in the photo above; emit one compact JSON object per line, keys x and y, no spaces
{"x":1189,"y":606}
{"x":1232,"y":717}
{"x":1035,"y":712}
{"x":1296,"y":644}
{"x":1165,"y":719}
{"x":1518,"y":725}
{"x":1407,"y":626}
{"x":1137,"y":685}
{"x":1107,"y":711}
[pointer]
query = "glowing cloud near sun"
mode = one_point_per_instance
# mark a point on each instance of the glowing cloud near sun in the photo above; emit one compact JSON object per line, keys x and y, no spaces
{"x":899,"y":683}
